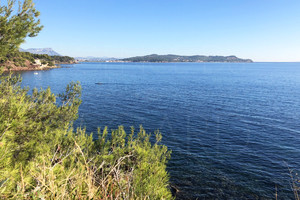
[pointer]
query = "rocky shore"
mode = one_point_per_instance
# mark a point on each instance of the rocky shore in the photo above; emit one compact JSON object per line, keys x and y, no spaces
{"x":28,"y":66}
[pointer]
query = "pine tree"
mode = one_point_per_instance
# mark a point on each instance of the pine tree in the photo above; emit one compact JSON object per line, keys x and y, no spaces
{"x":15,"y":26}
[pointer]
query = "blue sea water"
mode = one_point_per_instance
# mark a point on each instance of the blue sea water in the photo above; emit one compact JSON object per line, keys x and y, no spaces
{"x":233,"y":128}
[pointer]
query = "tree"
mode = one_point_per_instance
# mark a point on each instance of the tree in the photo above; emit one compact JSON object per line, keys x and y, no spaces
{"x":15,"y":26}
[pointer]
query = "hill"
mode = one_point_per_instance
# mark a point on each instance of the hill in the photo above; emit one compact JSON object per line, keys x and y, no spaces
{"x":21,"y":61}
{"x":48,"y":51}
{"x":178,"y":58}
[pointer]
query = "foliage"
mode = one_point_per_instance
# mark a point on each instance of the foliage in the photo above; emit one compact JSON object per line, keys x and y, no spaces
{"x":49,"y":59}
{"x":44,"y":62}
{"x":15,"y":26}
{"x":295,"y":183}
{"x":42,"y":157}
{"x":63,"y":59}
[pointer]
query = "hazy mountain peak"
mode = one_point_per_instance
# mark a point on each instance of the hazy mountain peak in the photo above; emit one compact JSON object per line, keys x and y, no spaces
{"x":48,"y":51}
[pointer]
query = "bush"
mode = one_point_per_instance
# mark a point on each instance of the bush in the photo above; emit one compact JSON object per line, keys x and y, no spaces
{"x":50,"y":63}
{"x":42,"y":157}
{"x":44,"y":62}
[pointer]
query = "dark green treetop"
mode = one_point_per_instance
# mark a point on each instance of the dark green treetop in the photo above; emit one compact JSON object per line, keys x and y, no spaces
{"x":16,"y":25}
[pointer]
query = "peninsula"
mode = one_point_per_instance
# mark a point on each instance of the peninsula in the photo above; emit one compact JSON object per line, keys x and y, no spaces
{"x":21,"y":60}
{"x":178,"y":58}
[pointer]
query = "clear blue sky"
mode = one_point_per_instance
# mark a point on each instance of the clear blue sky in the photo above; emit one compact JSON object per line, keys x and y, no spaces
{"x":263,"y":30}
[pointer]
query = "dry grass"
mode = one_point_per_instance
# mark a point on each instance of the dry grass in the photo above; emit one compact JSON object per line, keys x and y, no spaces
{"x":82,"y":182}
{"x":294,"y":183}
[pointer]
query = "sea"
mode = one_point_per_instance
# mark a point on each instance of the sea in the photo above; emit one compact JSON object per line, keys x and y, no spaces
{"x":233,"y":128}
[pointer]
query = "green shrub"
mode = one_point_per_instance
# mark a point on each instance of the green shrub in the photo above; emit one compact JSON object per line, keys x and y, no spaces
{"x":44,"y":62}
{"x":42,"y":157}
{"x":50,"y":63}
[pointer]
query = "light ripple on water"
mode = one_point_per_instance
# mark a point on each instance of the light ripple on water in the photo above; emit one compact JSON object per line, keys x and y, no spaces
{"x":231,"y":127}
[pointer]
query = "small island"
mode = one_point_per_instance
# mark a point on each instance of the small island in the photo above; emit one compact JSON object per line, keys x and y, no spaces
{"x":178,"y":58}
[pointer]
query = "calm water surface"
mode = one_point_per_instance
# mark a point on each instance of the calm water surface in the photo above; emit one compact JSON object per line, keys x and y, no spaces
{"x":232,"y":128}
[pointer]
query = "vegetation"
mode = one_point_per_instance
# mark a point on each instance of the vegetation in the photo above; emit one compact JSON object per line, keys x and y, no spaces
{"x":15,"y":26}
{"x":43,"y":157}
{"x":295,"y":183}
{"x":62,"y":59}
{"x":176,"y":58}
{"x":50,"y":60}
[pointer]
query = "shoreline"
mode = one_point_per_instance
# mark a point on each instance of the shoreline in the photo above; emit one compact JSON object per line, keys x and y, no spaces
{"x":33,"y":67}
{"x":154,"y":62}
{"x":18,"y":69}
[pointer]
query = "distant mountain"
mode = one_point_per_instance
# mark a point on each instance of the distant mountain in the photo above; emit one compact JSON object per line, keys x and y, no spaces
{"x":95,"y":59}
{"x":47,"y":51}
{"x":177,"y":58}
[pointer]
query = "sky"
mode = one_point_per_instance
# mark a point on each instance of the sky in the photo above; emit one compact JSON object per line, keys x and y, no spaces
{"x":262,"y":30}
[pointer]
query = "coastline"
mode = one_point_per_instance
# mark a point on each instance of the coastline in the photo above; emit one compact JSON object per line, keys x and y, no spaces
{"x":116,"y":61}
{"x":16,"y":69}
{"x":31,"y":67}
